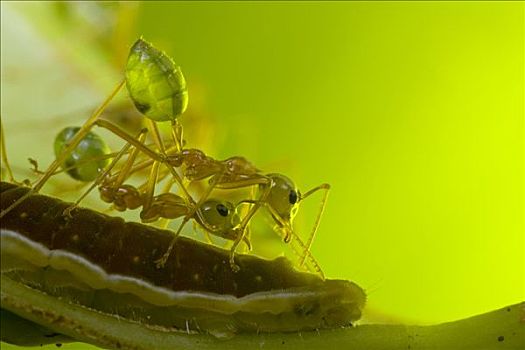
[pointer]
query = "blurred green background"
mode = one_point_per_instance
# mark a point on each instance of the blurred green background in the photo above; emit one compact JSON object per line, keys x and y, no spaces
{"x":413,"y":112}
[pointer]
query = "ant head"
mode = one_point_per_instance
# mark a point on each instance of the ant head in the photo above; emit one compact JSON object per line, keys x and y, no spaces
{"x":219,"y":216}
{"x":284,"y":197}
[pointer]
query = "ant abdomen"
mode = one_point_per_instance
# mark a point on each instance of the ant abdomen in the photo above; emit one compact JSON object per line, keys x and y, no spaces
{"x":123,"y":197}
{"x":88,"y":159}
{"x":155,"y":83}
{"x":166,"y":205}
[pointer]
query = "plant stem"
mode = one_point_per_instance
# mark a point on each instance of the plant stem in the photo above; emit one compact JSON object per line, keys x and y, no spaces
{"x":500,"y":329}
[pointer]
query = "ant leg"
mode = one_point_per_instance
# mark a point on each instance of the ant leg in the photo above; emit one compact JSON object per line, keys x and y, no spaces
{"x":144,"y":164}
{"x":102,"y":175}
{"x":73,"y":143}
{"x":159,"y":157}
{"x":283,"y":223}
{"x":155,"y":133}
{"x":164,"y":222}
{"x":154,"y":172}
{"x":258,"y":203}
{"x":246,"y":238}
{"x":77,"y":138}
{"x":36,"y":170}
{"x":162,"y":261}
{"x":198,"y":228}
{"x":150,"y":188}
{"x":326,"y":188}
{"x":306,"y":250}
{"x":298,"y":251}
{"x":135,"y":167}
{"x":243,"y":213}
{"x":163,"y":174}
{"x":158,"y":141}
{"x":98,"y":180}
{"x":259,"y":179}
{"x":176,"y":135}
{"x":4,"y":155}
{"x":126,"y":169}
{"x":241,"y":230}
{"x":165,"y":206}
{"x":127,"y":137}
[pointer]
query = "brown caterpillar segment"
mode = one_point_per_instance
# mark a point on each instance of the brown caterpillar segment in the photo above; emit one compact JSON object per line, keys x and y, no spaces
{"x":108,"y":265}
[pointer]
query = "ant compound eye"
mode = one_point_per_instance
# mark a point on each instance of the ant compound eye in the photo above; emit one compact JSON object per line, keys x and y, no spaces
{"x":292,"y":197}
{"x":222,"y":210}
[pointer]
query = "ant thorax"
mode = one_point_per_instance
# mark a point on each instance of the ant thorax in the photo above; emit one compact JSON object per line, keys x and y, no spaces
{"x":195,"y":164}
{"x":240,"y":165}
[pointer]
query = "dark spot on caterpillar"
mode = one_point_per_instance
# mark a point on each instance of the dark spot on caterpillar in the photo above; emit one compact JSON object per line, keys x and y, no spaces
{"x":501,"y":338}
{"x":307,"y":309}
{"x":282,"y":342}
{"x":51,"y":335}
{"x":58,"y":345}
{"x":508,"y":309}
{"x":142,"y":107}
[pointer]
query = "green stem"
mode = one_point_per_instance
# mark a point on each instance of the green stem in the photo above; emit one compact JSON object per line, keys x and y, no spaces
{"x":500,"y":329}
{"x":19,"y":331}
